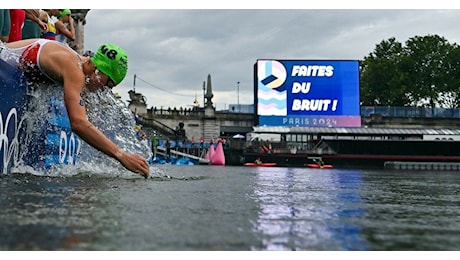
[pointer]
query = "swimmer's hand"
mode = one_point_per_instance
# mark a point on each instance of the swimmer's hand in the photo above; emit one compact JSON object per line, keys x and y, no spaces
{"x":133,"y":162}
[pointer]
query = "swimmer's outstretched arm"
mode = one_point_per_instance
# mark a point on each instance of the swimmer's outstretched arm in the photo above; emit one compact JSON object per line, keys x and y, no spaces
{"x":93,"y":136}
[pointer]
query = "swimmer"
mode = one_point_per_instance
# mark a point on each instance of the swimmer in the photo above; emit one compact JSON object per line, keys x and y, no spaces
{"x":42,"y":59}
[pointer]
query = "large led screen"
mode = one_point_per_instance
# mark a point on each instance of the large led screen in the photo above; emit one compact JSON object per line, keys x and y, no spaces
{"x":307,"y":93}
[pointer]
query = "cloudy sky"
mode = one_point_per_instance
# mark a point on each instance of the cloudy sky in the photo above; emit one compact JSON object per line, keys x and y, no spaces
{"x":171,"y":51}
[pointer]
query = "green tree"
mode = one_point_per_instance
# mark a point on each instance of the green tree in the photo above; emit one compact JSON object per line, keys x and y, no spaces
{"x":425,"y":72}
{"x":425,"y":67}
{"x":450,"y":97}
{"x":380,"y":77}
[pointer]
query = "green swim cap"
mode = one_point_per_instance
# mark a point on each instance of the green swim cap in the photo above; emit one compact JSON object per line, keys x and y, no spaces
{"x":112,"y":61}
{"x":64,"y":13}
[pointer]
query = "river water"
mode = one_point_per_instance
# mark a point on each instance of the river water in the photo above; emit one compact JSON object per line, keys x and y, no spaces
{"x":231,"y":208}
{"x":98,"y":205}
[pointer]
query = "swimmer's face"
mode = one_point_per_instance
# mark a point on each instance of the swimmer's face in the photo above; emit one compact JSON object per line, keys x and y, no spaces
{"x":99,"y":80}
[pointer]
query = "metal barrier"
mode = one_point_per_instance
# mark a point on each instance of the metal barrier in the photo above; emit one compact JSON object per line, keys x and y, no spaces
{"x":422,"y":166}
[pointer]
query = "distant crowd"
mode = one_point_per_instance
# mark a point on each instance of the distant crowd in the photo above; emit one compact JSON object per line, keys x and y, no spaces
{"x":53,"y":24}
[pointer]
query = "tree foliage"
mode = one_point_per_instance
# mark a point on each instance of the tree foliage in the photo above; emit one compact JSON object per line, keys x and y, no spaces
{"x":424,"y":72}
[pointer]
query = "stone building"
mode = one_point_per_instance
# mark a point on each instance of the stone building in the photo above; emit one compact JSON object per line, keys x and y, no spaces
{"x":196,"y":123}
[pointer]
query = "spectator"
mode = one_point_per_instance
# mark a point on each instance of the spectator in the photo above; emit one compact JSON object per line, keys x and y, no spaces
{"x":43,"y":16}
{"x":33,"y":26}
{"x":17,"y":18}
{"x":5,"y":25}
{"x":65,"y":27}
{"x":50,"y":15}
{"x":44,"y":19}
{"x":154,"y":145}
{"x":168,"y":147}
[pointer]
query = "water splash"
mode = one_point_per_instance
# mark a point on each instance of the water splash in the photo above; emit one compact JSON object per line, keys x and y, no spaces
{"x":11,"y":58}
{"x":108,"y":113}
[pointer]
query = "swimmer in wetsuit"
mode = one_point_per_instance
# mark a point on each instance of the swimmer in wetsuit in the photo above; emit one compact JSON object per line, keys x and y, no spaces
{"x":47,"y":59}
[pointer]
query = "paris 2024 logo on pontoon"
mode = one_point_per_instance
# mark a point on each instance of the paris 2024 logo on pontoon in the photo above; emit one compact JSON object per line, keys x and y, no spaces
{"x":9,"y":143}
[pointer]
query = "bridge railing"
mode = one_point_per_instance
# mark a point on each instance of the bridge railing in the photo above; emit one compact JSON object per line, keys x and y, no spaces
{"x":420,"y":112}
